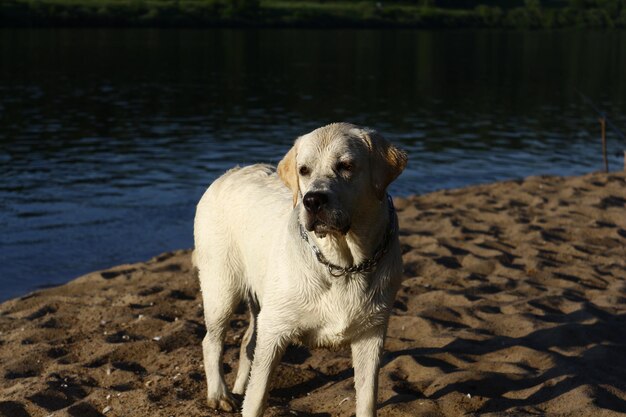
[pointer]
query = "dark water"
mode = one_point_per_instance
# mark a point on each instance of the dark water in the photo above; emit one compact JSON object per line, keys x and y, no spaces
{"x":109,"y":137}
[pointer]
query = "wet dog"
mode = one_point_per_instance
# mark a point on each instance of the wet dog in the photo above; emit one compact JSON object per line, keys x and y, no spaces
{"x":317,"y":260}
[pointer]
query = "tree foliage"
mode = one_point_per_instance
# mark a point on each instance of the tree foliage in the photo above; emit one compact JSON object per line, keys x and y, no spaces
{"x":529,"y":14}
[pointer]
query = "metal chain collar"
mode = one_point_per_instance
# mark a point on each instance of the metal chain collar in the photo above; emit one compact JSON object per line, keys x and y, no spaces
{"x":367,"y":265}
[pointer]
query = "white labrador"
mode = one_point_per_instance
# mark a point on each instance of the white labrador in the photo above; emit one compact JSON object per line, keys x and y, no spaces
{"x":318,"y":262}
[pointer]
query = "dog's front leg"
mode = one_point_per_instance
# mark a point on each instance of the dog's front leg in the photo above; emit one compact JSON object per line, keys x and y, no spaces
{"x":271,"y":344}
{"x":366,"y":352}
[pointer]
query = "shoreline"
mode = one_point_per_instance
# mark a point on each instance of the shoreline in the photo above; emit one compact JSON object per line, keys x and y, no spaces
{"x":514,"y":301}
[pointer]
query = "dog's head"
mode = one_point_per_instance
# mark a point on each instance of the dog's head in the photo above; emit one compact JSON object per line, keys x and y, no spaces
{"x":337,"y":170}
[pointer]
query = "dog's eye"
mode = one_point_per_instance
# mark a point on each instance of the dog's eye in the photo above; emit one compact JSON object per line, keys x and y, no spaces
{"x":344,"y":166}
{"x":304,"y":171}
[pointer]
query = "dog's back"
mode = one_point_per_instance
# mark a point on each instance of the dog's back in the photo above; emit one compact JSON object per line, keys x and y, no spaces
{"x":235,"y":220}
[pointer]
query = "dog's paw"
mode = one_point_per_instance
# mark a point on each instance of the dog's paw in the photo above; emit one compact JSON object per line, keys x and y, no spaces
{"x":225,"y":402}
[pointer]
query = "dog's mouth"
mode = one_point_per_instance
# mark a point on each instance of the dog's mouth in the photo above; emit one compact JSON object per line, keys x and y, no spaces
{"x":321,"y":227}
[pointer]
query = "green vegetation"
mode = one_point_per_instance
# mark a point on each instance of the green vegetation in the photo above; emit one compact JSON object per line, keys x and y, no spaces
{"x":126,"y":12}
{"x":317,"y":13}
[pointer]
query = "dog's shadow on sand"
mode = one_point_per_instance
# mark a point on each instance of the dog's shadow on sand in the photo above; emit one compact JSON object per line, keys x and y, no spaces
{"x":595,"y":338}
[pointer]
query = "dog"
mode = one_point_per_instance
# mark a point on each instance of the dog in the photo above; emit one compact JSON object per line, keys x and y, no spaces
{"x":313,"y":248}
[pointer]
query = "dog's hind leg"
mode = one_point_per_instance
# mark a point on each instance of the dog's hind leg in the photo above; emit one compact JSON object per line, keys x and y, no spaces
{"x":271,"y":343}
{"x":247,"y":348}
{"x":221,"y":295}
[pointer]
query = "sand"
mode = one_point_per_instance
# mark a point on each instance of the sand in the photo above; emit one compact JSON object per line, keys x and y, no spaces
{"x":514,"y":303}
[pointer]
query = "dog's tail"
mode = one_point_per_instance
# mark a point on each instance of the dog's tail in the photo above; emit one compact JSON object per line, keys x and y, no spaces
{"x":194,"y":262}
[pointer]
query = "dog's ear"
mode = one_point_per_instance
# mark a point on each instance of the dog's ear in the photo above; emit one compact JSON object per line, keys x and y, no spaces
{"x":288,"y":172}
{"x":387,"y":161}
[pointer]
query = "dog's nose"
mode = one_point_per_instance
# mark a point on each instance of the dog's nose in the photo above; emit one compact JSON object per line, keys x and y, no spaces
{"x":313,"y":201}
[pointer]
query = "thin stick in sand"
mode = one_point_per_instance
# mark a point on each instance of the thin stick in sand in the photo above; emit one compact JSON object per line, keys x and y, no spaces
{"x":604,"y":157}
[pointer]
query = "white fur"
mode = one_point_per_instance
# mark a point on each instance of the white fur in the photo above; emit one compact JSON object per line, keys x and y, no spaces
{"x":248,"y":246}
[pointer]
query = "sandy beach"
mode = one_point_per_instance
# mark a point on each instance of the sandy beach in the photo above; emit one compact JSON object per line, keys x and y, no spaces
{"x":514,"y":303}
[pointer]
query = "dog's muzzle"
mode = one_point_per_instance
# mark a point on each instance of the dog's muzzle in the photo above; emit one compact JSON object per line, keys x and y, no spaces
{"x":319,"y":218}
